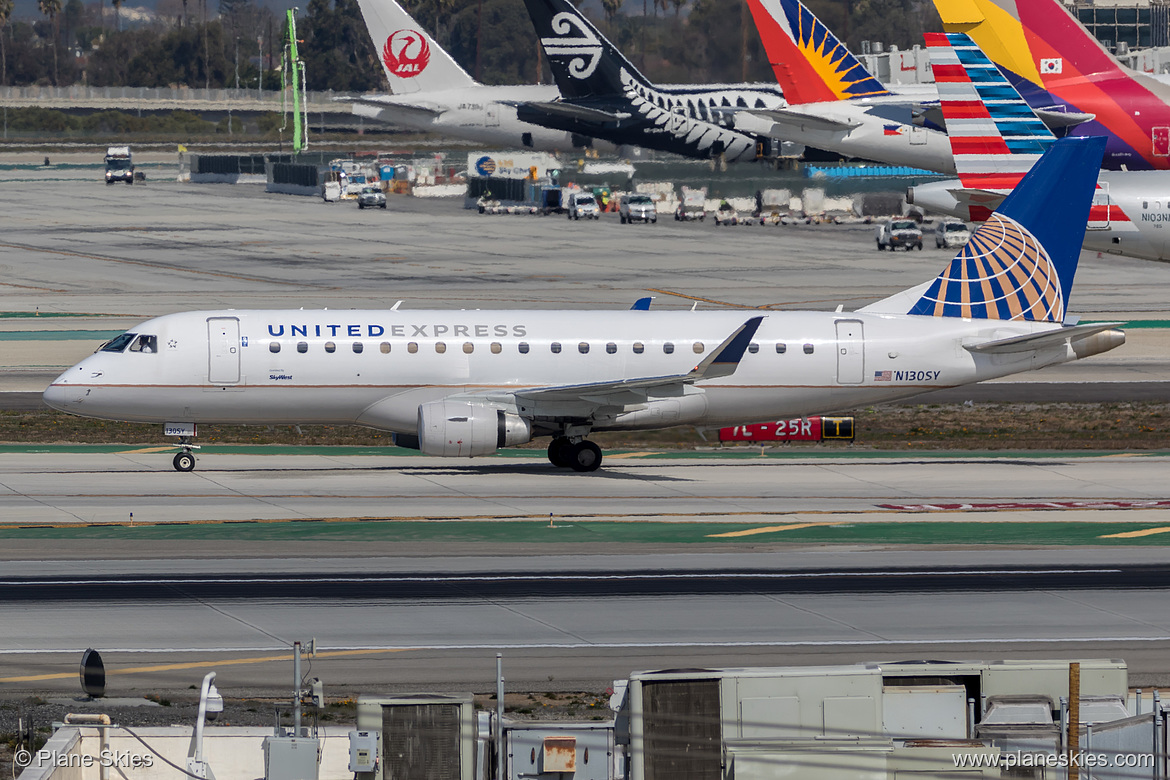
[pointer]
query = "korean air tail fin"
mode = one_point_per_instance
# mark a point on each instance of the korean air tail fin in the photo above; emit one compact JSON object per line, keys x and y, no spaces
{"x":584,"y":63}
{"x":1020,"y":263}
{"x":995,"y":136}
{"x":411,"y":59}
{"x":810,"y":63}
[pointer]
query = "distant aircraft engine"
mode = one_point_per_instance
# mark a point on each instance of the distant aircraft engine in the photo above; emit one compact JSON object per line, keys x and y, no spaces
{"x":457,"y":429}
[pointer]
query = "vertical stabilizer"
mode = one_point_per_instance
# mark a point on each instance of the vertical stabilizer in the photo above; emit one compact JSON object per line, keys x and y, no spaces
{"x":411,"y":59}
{"x":810,"y":63}
{"x":583,"y":62}
{"x":1020,"y":264}
{"x":995,"y":136}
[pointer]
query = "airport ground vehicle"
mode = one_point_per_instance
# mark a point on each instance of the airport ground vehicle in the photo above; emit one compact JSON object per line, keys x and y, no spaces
{"x":950,"y":233}
{"x":726,"y":214}
{"x":119,"y":165}
{"x":637,"y":208}
{"x":371,"y":197}
{"x":894,"y":233}
{"x":582,"y":205}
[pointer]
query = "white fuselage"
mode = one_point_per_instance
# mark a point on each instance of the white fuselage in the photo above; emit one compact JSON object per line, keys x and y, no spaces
{"x":219,"y":366}
{"x":480,"y":113}
{"x":1130,"y":214}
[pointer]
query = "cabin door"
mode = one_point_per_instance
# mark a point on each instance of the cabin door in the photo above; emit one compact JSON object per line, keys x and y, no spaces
{"x":850,"y":352}
{"x":223,"y":349}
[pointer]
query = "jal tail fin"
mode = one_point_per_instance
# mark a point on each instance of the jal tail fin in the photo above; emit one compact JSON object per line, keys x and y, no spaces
{"x":411,"y":59}
{"x":584,"y":63}
{"x":1020,"y":264}
{"x":810,"y":63}
{"x":995,"y":135}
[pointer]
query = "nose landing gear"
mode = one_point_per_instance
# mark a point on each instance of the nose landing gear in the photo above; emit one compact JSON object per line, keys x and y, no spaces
{"x":184,"y":461}
{"x":579,"y":455}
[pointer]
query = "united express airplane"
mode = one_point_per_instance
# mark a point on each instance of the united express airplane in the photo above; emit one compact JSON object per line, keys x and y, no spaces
{"x":465,"y":383}
{"x":996,"y":138}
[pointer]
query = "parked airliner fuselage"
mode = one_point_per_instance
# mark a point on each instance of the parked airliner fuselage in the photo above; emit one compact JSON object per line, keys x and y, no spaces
{"x":376,"y":368}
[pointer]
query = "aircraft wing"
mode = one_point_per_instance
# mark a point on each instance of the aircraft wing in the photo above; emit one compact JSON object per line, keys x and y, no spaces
{"x":722,"y":361}
{"x":574,"y":111}
{"x":1049,"y":338}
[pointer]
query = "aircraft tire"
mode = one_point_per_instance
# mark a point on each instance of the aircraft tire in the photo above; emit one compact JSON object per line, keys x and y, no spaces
{"x":585,"y":456}
{"x":559,"y":451}
{"x":184,"y":461}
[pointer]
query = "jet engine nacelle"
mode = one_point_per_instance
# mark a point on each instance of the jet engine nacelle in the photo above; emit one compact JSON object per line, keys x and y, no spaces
{"x":458,"y":429}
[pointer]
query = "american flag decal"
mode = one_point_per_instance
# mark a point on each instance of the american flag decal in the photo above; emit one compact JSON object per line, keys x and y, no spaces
{"x":883,"y":376}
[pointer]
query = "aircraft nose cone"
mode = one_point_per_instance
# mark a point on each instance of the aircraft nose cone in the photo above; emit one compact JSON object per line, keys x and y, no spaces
{"x":55,"y":395}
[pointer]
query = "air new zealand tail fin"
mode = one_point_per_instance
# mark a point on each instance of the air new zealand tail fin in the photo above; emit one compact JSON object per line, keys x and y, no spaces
{"x":584,"y":64}
{"x":411,"y":59}
{"x":811,"y":65}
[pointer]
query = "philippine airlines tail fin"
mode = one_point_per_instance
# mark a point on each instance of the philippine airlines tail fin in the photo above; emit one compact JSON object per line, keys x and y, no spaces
{"x":411,"y":59}
{"x":811,"y":65}
{"x":995,"y":136}
{"x":1020,"y":263}
{"x":584,"y":63}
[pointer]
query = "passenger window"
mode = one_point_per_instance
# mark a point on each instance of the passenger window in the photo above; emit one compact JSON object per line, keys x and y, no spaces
{"x":412,"y":347}
{"x":468,"y":347}
{"x":583,"y":347}
{"x":668,"y":348}
{"x":440,"y":347}
{"x":302,"y":347}
{"x":274,"y":346}
{"x":753,"y":348}
{"x":639,"y":348}
{"x":385,"y":347}
{"x":698,"y":347}
{"x":496,"y":348}
{"x":330,"y":346}
{"x":781,"y":349}
{"x":808,"y":349}
{"x":118,"y":343}
{"x":358,"y":347}
{"x":555,"y":347}
{"x":611,"y":348}
{"x":522,"y":347}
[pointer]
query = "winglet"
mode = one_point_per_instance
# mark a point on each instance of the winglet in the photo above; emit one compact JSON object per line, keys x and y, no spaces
{"x":725,"y":358}
{"x":642,"y":304}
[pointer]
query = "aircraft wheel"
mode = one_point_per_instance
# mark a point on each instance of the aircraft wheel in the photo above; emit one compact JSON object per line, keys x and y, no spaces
{"x":559,"y":451}
{"x":585,"y":456}
{"x":184,"y":461}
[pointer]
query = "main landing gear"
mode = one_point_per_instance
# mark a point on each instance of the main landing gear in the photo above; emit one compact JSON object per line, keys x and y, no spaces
{"x":576,"y":455}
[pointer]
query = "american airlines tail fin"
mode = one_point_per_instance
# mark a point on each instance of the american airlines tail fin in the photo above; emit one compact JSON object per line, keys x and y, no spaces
{"x":411,"y":59}
{"x":1020,"y":263}
{"x":584,"y":63}
{"x":995,"y":136}
{"x":811,"y":65}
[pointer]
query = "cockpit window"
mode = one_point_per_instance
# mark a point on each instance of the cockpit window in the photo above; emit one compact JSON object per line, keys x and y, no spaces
{"x":145,"y":343}
{"x":118,"y":343}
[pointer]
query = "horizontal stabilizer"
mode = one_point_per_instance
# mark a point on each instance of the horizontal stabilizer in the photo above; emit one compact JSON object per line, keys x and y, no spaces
{"x":1034,"y":341}
{"x":1057,"y":120}
{"x":758,"y":120}
{"x":398,"y":104}
{"x":574,"y":111}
